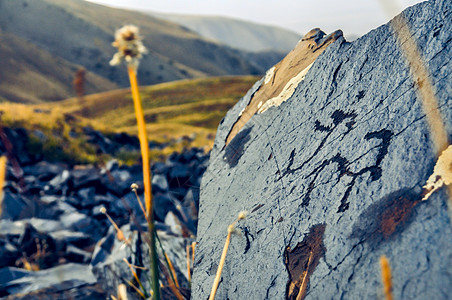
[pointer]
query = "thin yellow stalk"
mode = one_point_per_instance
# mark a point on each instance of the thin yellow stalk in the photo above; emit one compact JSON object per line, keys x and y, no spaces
{"x":140,"y":203}
{"x":188,"y":263}
{"x":2,"y":178}
{"x":386,"y":277}
{"x":193,"y":245}
{"x":136,"y":289}
{"x":175,"y":291}
{"x":133,"y":273}
{"x":119,"y":234}
{"x":173,"y":271}
{"x":231,"y":229}
{"x":143,"y":139}
{"x":171,"y":285}
{"x":304,"y":282}
{"x":142,"y":135}
{"x":220,"y":266}
{"x":136,"y":278}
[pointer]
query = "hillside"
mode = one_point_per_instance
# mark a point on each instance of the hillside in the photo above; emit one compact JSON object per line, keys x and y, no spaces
{"x":179,"y":114}
{"x":240,"y":34}
{"x":30,"y":74}
{"x":76,"y":32}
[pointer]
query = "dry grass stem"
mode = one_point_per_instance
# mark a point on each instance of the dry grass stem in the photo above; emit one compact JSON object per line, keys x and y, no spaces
{"x":130,"y":48}
{"x":304,"y":283}
{"x":2,"y":179}
{"x":133,"y":272}
{"x":139,"y":202}
{"x":216,"y":282}
{"x":136,"y":289}
{"x":171,"y":285}
{"x":173,"y":271}
{"x":386,"y":277}
{"x":144,"y":144}
{"x":119,"y":234}
{"x":193,"y":246}
{"x":187,"y":248}
{"x":231,"y":229}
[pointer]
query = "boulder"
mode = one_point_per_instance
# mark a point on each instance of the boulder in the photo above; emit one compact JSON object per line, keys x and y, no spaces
{"x":331,"y":170}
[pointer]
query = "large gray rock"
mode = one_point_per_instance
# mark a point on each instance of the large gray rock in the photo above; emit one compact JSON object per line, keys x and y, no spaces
{"x":332,"y":179}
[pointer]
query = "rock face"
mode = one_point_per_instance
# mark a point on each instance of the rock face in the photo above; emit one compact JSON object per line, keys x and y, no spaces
{"x":332,"y":179}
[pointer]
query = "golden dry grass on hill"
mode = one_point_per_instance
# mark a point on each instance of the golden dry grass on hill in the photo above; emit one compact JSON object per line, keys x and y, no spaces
{"x":174,"y":110}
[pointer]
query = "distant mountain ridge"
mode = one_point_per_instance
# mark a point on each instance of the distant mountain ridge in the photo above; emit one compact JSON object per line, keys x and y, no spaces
{"x":56,"y":37}
{"x":239,"y":34}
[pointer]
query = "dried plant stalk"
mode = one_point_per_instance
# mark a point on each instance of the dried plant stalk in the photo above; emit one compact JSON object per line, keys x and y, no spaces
{"x":231,"y":229}
{"x":142,"y":135}
{"x":187,"y":248}
{"x":386,"y":277}
{"x":2,"y":178}
{"x":304,"y":283}
{"x":131,"y":49}
{"x":220,"y":266}
{"x":173,"y":271}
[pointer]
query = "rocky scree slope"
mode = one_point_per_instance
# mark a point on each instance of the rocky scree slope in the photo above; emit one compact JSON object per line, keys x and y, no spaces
{"x":331,"y":172}
{"x":56,"y":244}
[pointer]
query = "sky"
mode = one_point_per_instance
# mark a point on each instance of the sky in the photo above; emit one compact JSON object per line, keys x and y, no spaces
{"x":354,"y":17}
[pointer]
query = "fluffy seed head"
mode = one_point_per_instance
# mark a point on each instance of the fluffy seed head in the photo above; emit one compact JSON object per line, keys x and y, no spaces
{"x":130,"y":47}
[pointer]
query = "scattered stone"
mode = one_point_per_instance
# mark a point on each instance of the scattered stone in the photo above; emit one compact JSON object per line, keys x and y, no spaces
{"x":43,"y":170}
{"x":15,"y":207}
{"x":58,"y":279}
{"x":159,"y":184}
{"x":76,"y":255}
{"x":8,"y":252}
{"x":56,"y":225}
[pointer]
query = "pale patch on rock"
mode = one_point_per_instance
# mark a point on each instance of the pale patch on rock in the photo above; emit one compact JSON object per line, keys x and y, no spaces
{"x":276,"y":81}
{"x":269,"y":75}
{"x":286,"y":93}
{"x":442,"y":173}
